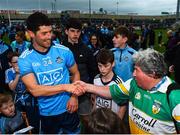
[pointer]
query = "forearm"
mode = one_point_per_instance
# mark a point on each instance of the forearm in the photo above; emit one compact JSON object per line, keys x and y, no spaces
{"x":42,"y":90}
{"x":75,"y":77}
{"x":99,"y":90}
{"x":14,"y":83}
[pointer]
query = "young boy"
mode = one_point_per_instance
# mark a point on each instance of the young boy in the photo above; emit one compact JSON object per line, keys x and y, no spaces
{"x":124,"y":65}
{"x":11,"y":120}
{"x":105,"y":60}
{"x":23,"y":100}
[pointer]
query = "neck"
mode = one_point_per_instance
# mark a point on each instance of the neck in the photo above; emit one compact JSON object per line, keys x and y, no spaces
{"x":108,"y":77}
{"x":20,"y":42}
{"x":122,"y":46}
{"x":39,"y":48}
{"x":153,"y":83}
{"x":72,"y":42}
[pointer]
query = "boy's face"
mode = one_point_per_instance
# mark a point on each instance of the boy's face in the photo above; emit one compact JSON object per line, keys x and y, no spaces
{"x":119,"y":41}
{"x":105,"y":69}
{"x":73,"y":35}
{"x":18,"y":38}
{"x":8,"y":109}
{"x":14,"y":61}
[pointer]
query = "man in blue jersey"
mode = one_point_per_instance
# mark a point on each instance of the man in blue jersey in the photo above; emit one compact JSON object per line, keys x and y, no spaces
{"x":45,"y":72}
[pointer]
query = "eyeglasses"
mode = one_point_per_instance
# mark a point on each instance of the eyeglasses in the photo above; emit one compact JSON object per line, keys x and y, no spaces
{"x":14,"y":62}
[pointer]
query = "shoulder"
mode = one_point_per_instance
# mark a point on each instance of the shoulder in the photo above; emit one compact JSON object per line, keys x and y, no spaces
{"x":131,"y":50}
{"x":59,"y":46}
{"x":13,"y":42}
{"x":113,"y":49}
{"x":9,"y":70}
{"x":117,"y":79}
{"x":27,"y":43}
{"x":98,"y":76}
{"x":26,"y":53}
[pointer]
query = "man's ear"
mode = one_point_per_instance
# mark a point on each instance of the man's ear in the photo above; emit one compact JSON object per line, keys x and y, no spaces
{"x":66,"y":31}
{"x":125,"y":39}
{"x":31,"y":33}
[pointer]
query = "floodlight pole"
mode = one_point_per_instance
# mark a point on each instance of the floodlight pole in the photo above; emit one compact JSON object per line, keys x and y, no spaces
{"x":117,"y":7}
{"x":39,"y":5}
{"x":9,"y":17}
{"x":177,"y":11}
{"x":89,"y":10}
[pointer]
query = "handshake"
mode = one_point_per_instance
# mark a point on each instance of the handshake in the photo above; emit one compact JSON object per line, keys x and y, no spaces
{"x":78,"y":88}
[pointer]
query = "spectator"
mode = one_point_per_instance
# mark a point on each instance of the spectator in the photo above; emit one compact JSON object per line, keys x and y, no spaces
{"x":19,"y":45}
{"x":151,"y":36}
{"x":122,"y":54}
{"x":144,"y":36}
{"x":4,"y":51}
{"x":11,"y":119}
{"x":23,"y":100}
{"x":105,"y":121}
{"x":95,"y":44}
{"x":149,"y":111}
{"x":159,"y":38}
{"x":85,"y":62}
{"x":105,"y":60}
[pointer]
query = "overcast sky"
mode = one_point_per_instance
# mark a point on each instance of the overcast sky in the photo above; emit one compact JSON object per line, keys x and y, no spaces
{"x":142,"y":7}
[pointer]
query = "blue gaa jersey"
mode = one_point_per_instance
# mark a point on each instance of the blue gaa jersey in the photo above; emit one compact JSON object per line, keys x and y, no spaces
{"x":50,"y":68}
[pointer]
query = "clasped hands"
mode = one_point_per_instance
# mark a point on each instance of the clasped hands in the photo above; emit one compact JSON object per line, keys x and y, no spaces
{"x":78,"y":88}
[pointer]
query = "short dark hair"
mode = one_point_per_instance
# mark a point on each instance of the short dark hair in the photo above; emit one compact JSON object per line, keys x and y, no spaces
{"x":37,"y":19}
{"x":5,"y":98}
{"x":11,"y":55}
{"x":122,"y":30}
{"x":21,"y":34}
{"x":105,"y":56}
{"x":74,"y":23}
{"x":104,"y":121}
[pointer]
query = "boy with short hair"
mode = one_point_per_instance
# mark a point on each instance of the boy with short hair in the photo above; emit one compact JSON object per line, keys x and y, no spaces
{"x":124,"y":65}
{"x":11,"y":119}
{"x":105,"y":60}
{"x":23,"y":100}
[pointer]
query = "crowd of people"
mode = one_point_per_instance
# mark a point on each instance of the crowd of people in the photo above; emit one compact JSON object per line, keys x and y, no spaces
{"x":87,"y":79}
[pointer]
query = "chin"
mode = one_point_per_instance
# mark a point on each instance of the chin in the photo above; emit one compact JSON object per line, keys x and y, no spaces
{"x":11,"y":114}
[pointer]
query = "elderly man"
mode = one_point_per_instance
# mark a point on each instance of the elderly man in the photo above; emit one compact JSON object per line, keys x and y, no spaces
{"x":149,"y":110}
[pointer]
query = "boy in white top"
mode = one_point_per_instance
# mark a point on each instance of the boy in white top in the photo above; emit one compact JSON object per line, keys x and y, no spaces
{"x":105,"y":60}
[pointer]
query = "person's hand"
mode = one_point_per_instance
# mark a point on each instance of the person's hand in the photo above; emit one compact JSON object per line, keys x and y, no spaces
{"x":72,"y":104}
{"x":16,"y":69}
{"x":81,"y":88}
{"x":75,"y":89}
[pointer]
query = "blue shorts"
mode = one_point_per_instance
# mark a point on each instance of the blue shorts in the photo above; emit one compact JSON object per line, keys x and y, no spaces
{"x":65,"y":123}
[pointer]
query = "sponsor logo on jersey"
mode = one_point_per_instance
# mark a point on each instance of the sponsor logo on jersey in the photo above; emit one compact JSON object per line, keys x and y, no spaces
{"x":145,"y":123}
{"x":101,"y":102}
{"x":50,"y":77}
{"x":59,"y":60}
{"x":126,"y":58}
{"x":47,"y":61}
{"x":138,"y":96}
{"x":156,"y":107}
{"x":36,"y":64}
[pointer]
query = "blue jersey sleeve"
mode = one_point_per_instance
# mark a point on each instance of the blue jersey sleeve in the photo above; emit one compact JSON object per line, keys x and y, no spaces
{"x":9,"y":76}
{"x":70,"y":59}
{"x":25,"y":67}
